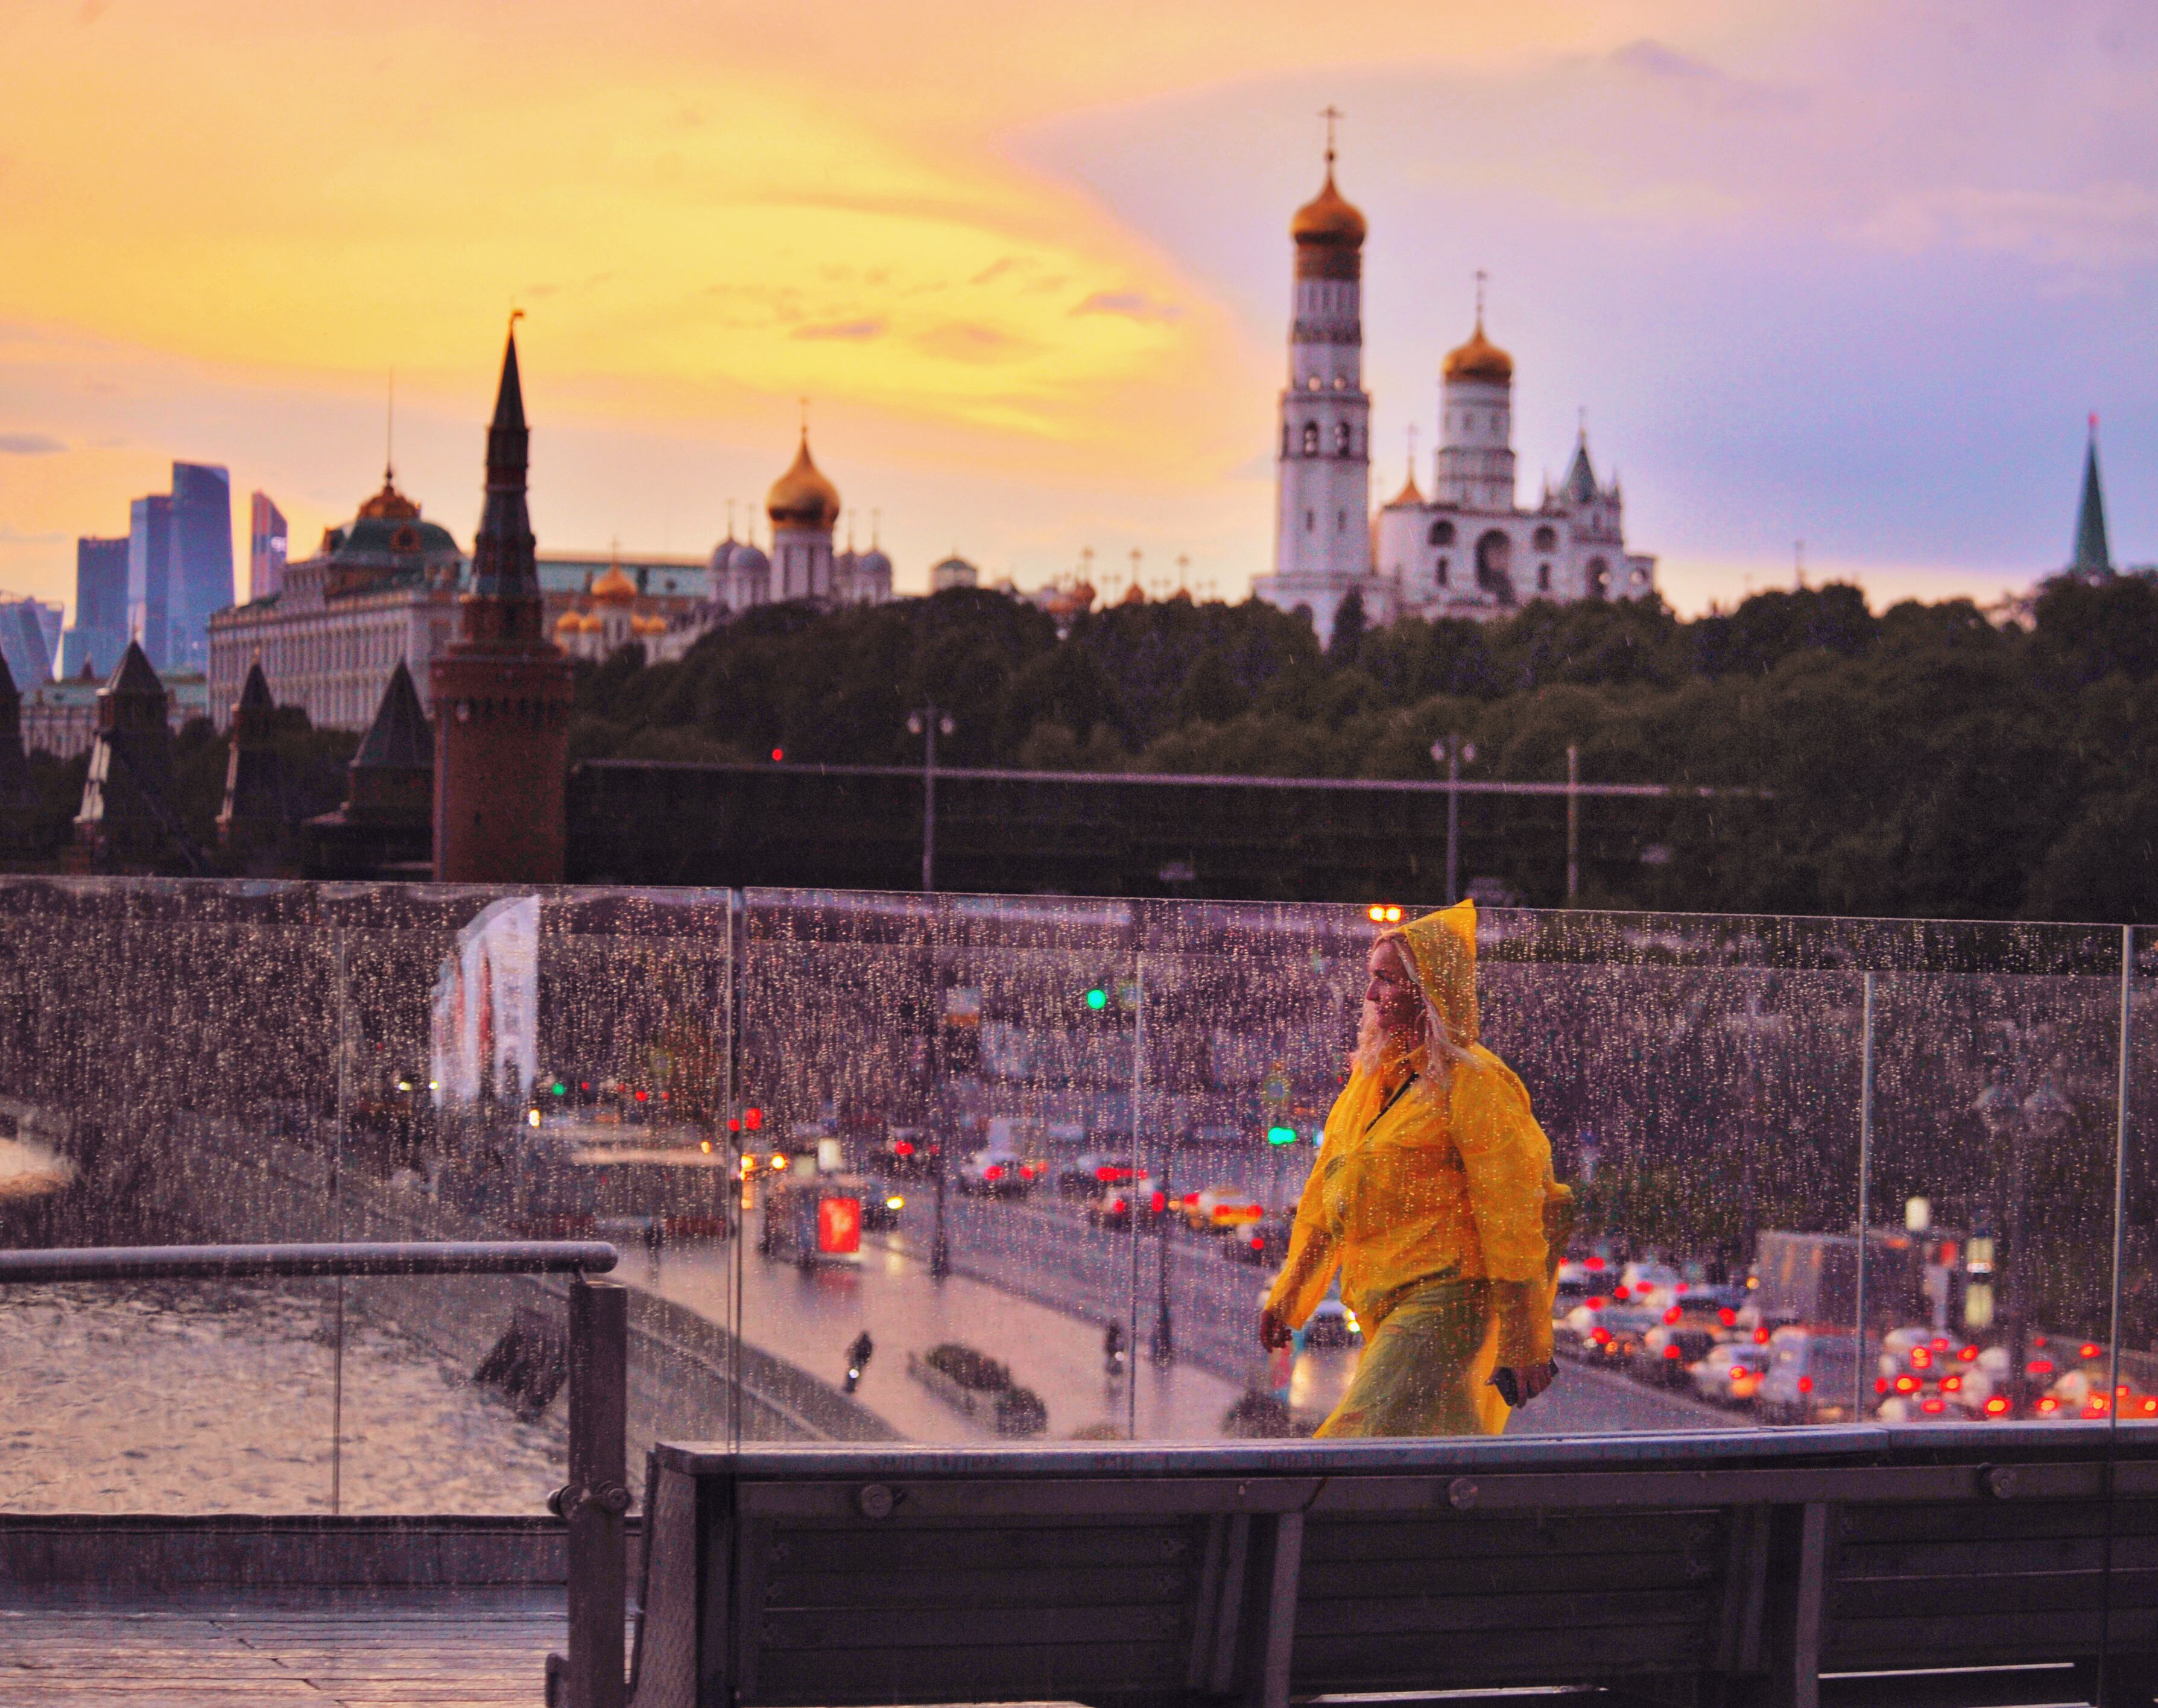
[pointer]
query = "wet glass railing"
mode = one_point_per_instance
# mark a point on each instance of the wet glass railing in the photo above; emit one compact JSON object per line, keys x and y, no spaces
{"x":1008,"y":1170}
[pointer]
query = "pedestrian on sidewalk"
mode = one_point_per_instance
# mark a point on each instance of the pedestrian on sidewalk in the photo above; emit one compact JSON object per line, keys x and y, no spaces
{"x":1433,"y":1197}
{"x":858,"y":1357}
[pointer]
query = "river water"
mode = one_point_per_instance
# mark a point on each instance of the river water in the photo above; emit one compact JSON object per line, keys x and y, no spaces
{"x":184,"y":1398}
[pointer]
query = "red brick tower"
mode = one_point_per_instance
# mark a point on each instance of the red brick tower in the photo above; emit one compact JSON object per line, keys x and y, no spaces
{"x":502,"y":691}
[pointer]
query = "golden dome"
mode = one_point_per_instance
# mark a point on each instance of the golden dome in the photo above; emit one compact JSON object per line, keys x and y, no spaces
{"x":1328,"y":218}
{"x":801,"y":498}
{"x":648,"y":625}
{"x":614,"y":586}
{"x":591,"y":623}
{"x":390,"y":503}
{"x":568,"y":623}
{"x":1408,"y":494}
{"x":1480,"y":359}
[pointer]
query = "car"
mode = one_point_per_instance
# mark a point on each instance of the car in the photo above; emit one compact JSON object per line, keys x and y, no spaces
{"x":1604,"y":1333}
{"x":909,"y":1151}
{"x":1653,"y":1286}
{"x":1666,"y":1354}
{"x":1813,"y":1376}
{"x":1731,"y":1373}
{"x":1332,"y":1324}
{"x":882,"y":1201}
{"x":1090,"y":1171}
{"x":1111,"y":1206}
{"x":995,"y":1174}
{"x":1264,"y":1242}
{"x":1216,"y":1209}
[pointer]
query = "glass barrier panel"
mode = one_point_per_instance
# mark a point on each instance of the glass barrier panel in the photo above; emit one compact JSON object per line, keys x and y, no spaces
{"x":949,"y":1187}
{"x":2136,"y":1136}
{"x":548,"y":1066}
{"x":166,"y":1077}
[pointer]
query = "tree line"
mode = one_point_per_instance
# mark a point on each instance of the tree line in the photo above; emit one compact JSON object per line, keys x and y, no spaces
{"x":1926,"y":760}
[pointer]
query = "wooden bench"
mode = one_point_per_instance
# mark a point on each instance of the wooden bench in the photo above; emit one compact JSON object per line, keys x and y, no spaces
{"x":1853,"y":1567}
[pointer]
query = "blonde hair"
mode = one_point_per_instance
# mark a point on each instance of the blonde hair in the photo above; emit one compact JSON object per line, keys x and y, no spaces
{"x":1437,"y":1038}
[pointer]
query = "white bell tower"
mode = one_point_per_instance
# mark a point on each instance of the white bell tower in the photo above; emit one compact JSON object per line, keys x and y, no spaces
{"x":1323,"y":523}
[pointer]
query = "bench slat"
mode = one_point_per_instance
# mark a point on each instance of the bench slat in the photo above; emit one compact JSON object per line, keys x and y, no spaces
{"x":1510,"y":1534}
{"x":1438,"y":1575}
{"x":780,"y":1628}
{"x":1054,"y":1672}
{"x":969,"y":1586}
{"x":1441,"y":1660}
{"x":1686,"y":1611}
{"x":893,"y":1547}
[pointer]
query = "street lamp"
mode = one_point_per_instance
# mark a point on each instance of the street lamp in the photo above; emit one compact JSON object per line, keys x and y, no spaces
{"x":1453,"y":752}
{"x":2006,"y":1120}
{"x":929,"y":724}
{"x":940,"y":1247}
{"x":1162,"y":1348}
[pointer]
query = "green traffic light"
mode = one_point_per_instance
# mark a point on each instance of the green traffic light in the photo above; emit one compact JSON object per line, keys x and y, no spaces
{"x":1097,"y":999}
{"x":559,"y":1088}
{"x":1281,"y":1135}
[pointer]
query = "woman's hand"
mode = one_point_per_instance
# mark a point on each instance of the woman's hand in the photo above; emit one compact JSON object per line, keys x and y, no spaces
{"x":1531,"y":1380}
{"x":1274,"y":1334}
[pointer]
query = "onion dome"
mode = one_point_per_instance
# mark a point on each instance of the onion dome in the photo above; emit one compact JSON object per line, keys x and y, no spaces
{"x":1132,"y":596}
{"x":1409,"y":494}
{"x":568,"y":623}
{"x":614,"y":587}
{"x":1329,"y":232}
{"x":591,"y":623}
{"x":722,"y":558}
{"x":1480,"y":359}
{"x":648,"y":625}
{"x":801,"y":498}
{"x":749,"y":561}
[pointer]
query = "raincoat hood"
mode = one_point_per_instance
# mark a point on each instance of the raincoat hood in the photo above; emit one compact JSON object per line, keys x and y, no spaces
{"x":1441,"y":952}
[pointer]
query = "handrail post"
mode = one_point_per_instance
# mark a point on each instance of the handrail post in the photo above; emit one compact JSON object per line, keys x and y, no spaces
{"x":597,"y":1498}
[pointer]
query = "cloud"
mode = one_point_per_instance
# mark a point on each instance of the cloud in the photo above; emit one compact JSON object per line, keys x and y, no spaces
{"x":11,"y":535}
{"x":30,"y":444}
{"x":2101,"y":226}
{"x":970,"y":341}
{"x":1660,"y":63}
{"x":1130,"y":305}
{"x":844,"y":331}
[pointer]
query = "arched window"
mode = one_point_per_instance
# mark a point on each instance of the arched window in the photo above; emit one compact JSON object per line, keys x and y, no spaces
{"x":1599,"y":579}
{"x":1439,"y":574}
{"x":1310,"y":522}
{"x":1442,"y":533}
{"x":1311,"y":438}
{"x":1543,"y":578}
{"x":1495,"y":554}
{"x":1341,"y":521}
{"x":1341,"y":439}
{"x":1546,"y":538}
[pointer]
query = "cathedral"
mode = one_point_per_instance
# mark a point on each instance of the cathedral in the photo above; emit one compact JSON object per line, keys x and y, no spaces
{"x":804,"y":509}
{"x":1468,"y":549}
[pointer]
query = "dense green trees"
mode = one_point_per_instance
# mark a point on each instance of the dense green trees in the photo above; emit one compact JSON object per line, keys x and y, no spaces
{"x":1923,"y":762}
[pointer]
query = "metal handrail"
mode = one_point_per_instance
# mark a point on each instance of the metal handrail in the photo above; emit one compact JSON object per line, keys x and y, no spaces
{"x":359,"y":1257}
{"x":592,"y":1503}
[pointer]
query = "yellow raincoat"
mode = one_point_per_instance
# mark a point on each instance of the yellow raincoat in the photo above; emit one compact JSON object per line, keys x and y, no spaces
{"x":1433,"y":1195}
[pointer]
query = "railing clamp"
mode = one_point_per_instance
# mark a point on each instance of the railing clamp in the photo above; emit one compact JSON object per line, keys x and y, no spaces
{"x":572,"y":1498}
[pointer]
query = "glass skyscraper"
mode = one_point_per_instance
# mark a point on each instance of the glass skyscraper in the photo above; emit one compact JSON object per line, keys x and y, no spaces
{"x":179,"y":566}
{"x":99,"y":634}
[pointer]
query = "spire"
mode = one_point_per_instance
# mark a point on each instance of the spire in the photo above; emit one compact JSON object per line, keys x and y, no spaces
{"x":399,"y":738}
{"x":1580,"y":487}
{"x":2092,"y":555}
{"x":503,"y":565}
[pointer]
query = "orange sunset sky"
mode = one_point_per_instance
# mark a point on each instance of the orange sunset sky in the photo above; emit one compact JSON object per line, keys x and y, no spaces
{"x":1853,"y":274}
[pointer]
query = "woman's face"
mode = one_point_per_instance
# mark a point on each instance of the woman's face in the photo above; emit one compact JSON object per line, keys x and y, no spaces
{"x":1390,"y":989}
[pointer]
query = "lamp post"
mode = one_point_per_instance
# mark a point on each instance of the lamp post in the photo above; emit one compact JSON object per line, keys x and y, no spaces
{"x":2002,"y":1116}
{"x":2046,"y":1115}
{"x":1162,"y":1347}
{"x":929,"y":724}
{"x":940,"y":1247}
{"x":1453,"y":752}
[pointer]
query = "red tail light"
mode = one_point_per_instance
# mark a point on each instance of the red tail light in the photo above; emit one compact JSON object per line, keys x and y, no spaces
{"x":1258,"y":1243}
{"x":1673,"y":1352}
{"x":2048,"y":1404}
{"x":1728,"y":1317}
{"x":1921,"y":1359}
{"x":1684,"y":1285}
{"x":2149,"y":1408}
{"x":1621,"y":1294}
{"x":1939,"y":1342}
{"x":1672,"y":1314}
{"x":1967,"y":1354}
{"x":1996,"y":1406}
{"x":1117,"y":1206}
{"x":1594,"y":1266}
{"x":1881,"y":1385}
{"x":995,"y":1171}
{"x":905,"y":1147}
{"x":1160,"y":1202}
{"x":1597,"y":1302}
{"x":1907,"y":1384}
{"x":2041,"y":1367}
{"x":1934,"y":1405}
{"x":1805,"y":1385}
{"x":1952,"y":1385}
{"x":2088,"y":1349}
{"x":1602,"y":1337}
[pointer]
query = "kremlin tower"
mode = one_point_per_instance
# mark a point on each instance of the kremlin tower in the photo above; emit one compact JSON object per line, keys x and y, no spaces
{"x":501,"y":692}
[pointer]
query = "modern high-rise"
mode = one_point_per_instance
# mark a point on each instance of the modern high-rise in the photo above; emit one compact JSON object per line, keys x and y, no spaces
{"x":150,"y":573}
{"x":201,"y":563}
{"x":29,"y":633}
{"x":267,"y":543}
{"x":99,"y":634}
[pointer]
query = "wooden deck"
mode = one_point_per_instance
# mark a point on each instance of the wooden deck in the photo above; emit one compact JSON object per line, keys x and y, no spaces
{"x":455,"y":1649}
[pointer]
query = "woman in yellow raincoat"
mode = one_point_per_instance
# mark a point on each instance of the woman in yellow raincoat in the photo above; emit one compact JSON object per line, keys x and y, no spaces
{"x":1433,"y":1196}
